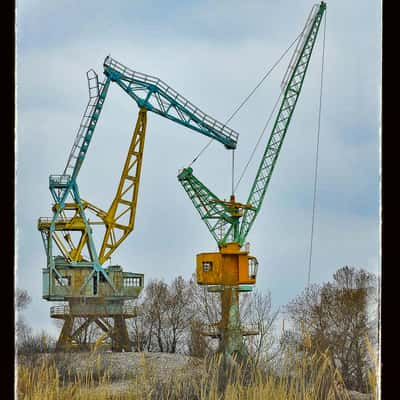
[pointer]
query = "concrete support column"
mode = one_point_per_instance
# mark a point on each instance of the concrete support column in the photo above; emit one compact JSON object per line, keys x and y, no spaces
{"x":120,"y":337}
{"x":65,"y":339}
{"x":231,"y":335}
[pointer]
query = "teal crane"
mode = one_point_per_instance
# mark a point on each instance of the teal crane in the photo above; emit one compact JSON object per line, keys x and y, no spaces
{"x":93,"y":291}
{"x":232,"y":269}
{"x":151,"y":94}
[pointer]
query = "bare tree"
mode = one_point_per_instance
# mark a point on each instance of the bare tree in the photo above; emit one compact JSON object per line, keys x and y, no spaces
{"x":88,"y":334}
{"x":23,"y":331}
{"x":178,"y":314}
{"x":207,"y":304}
{"x":256,"y":314}
{"x":206,"y":308}
{"x":334,"y":318}
{"x":259,"y":314}
{"x":163,"y":310}
{"x":22,"y":299}
{"x":170,"y":316}
{"x":196,"y":343}
{"x":27,"y":342}
{"x":41,"y":342}
{"x":137,"y":326}
{"x":155,"y":302}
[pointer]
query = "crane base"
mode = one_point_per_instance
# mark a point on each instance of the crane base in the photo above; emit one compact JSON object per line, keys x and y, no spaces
{"x":79,"y":317}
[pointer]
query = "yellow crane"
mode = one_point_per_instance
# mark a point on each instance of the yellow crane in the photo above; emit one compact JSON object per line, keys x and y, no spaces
{"x":77,"y":273}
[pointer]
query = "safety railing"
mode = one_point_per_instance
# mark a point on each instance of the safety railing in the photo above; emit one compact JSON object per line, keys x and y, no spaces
{"x":60,"y":223}
{"x":207,"y":120}
{"x":59,"y":180}
{"x":129,"y":309}
{"x":246,"y":329}
{"x":59,"y":310}
{"x":48,"y":220}
{"x":211,"y":330}
{"x":249,"y":329}
{"x":64,"y":310}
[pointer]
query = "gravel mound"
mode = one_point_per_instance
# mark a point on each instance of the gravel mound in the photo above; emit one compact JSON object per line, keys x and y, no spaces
{"x":123,"y":366}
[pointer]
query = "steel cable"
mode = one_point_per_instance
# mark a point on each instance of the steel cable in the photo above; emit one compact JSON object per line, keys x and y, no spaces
{"x":247,"y":98}
{"x":259,"y":139}
{"x":316,"y":159}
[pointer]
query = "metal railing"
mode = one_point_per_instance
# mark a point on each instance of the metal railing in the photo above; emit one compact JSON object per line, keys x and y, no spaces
{"x":65,"y":310}
{"x":59,"y":310}
{"x":48,"y":220}
{"x":128,"y":309}
{"x":207,"y":120}
{"x":210,"y":331}
{"x":245,"y":328}
{"x":250,"y":329}
{"x":62,"y":180}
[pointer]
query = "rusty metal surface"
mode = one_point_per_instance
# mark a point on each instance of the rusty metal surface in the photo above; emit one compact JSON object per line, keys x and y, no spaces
{"x":53,"y":290}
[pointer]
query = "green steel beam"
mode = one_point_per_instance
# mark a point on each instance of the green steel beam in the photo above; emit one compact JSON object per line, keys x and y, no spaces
{"x":289,"y":101}
{"x":215,"y":214}
{"x":156,"y":96}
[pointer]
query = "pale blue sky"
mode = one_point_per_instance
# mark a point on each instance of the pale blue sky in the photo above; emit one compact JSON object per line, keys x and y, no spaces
{"x":213,"y":53}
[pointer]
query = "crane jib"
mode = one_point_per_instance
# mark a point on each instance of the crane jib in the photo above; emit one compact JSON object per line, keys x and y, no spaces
{"x":156,"y":96}
{"x":210,"y":208}
{"x":289,"y":101}
{"x":119,"y":219}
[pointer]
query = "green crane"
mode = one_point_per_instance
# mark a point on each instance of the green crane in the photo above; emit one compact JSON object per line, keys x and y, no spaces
{"x":232,"y":270}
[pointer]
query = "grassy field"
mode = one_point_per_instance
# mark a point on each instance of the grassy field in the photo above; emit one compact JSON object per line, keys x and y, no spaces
{"x":311,"y":377}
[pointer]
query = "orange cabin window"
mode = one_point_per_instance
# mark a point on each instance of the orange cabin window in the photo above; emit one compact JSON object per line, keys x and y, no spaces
{"x":207,"y":266}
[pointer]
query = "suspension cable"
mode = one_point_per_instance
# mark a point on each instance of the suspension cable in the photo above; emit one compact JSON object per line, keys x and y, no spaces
{"x":263,"y":79}
{"x":233,"y":172}
{"x":259,"y":139}
{"x":316,"y":158}
{"x":247,"y":98}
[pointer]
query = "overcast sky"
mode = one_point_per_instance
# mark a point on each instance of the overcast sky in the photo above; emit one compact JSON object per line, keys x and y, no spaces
{"x":213,"y":53}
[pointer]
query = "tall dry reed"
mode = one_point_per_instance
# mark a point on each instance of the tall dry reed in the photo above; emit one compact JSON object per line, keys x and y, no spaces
{"x":309,"y":377}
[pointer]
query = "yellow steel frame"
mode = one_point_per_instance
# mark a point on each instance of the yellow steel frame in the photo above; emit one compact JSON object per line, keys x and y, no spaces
{"x":119,"y":220}
{"x":125,"y":200}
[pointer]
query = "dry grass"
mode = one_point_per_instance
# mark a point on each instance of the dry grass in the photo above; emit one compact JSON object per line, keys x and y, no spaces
{"x":308,"y":378}
{"x":372,"y":373}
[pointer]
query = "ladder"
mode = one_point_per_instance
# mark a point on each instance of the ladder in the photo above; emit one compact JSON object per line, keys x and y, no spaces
{"x":97,"y":94}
